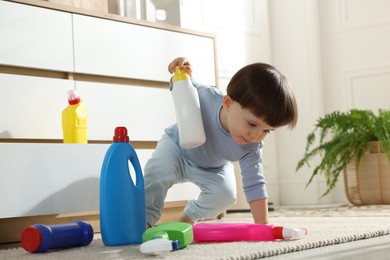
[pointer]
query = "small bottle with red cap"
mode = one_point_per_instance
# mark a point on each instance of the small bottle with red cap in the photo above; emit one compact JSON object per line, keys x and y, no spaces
{"x":74,"y":120}
{"x":122,"y":199}
{"x":41,"y":238}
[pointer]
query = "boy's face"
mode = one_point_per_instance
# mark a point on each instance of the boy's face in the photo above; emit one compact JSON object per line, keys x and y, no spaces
{"x":242,"y":124}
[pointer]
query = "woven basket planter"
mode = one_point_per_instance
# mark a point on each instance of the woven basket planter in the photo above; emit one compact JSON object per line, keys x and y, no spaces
{"x":369,"y":183}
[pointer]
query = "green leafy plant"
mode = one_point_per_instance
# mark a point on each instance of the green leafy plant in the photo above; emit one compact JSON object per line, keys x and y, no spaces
{"x":342,"y":137}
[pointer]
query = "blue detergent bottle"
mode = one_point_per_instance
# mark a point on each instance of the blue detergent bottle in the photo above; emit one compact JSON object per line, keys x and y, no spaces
{"x":122,"y":203}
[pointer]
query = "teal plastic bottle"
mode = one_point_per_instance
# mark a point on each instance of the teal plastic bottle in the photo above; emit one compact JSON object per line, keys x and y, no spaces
{"x":122,"y":203}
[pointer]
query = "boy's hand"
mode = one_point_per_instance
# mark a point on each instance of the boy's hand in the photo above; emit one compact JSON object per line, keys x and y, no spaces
{"x":183,"y":64}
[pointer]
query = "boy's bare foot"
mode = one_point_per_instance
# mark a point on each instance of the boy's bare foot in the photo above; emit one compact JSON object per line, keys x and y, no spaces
{"x":184,"y":218}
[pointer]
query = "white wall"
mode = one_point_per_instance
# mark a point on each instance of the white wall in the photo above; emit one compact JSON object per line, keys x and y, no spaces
{"x":334,"y":52}
{"x":356,"y":57}
{"x":243,"y":37}
{"x":296,"y":52}
{"x":336,"y":55}
{"x":284,"y":34}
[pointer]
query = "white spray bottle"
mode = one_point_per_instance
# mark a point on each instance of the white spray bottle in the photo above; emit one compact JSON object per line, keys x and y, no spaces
{"x":188,"y":114}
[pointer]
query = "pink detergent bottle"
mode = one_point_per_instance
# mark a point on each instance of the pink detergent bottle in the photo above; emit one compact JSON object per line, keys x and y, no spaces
{"x":228,"y":232}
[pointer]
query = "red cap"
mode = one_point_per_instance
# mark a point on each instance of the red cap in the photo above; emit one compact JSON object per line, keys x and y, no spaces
{"x":120,"y":135}
{"x":278,"y":232}
{"x":31,"y":239}
{"x":74,"y":101}
{"x":73,"y":97}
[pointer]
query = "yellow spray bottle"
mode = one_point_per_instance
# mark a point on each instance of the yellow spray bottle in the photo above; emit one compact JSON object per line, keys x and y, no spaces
{"x":74,"y":119}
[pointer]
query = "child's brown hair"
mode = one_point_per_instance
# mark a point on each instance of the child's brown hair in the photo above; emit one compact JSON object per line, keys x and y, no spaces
{"x":265,"y":91}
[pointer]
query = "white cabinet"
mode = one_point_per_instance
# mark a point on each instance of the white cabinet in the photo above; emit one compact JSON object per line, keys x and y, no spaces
{"x":38,"y":179}
{"x":146,"y":112}
{"x":41,"y":179}
{"x":31,"y":107}
{"x":120,"y":49}
{"x":35,"y":37}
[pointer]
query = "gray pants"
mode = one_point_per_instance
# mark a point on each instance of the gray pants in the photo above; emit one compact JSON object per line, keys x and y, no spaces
{"x":167,"y":167}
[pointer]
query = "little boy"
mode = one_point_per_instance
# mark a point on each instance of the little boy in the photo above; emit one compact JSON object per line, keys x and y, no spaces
{"x":258,"y":101}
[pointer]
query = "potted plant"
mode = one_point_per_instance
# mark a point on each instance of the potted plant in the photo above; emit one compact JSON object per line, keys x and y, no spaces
{"x":341,"y":140}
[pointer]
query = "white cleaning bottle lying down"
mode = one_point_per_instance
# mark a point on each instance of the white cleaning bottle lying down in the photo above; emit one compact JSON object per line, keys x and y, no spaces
{"x":158,"y":246}
{"x":228,"y":232}
{"x":188,"y":114}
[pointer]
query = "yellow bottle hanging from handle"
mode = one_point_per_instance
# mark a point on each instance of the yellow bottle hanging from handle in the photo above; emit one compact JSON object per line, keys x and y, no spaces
{"x":74,"y":120}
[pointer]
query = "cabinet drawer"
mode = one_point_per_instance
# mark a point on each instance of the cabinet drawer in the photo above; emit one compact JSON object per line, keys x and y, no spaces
{"x":145,"y":111}
{"x":120,"y":49}
{"x":39,"y":179}
{"x":35,"y":37}
{"x":31,"y":107}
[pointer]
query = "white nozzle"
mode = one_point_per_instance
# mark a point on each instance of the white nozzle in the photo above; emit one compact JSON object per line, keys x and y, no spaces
{"x":158,"y":246}
{"x":73,"y":95}
{"x":294,"y":233}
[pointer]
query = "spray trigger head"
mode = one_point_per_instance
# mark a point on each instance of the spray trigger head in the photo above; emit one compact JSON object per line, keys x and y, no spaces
{"x":73,"y":97}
